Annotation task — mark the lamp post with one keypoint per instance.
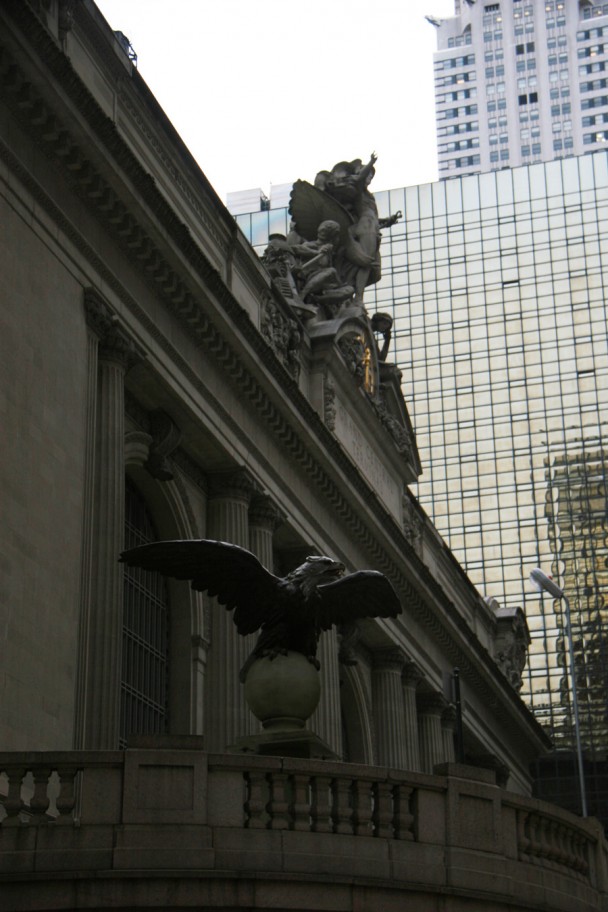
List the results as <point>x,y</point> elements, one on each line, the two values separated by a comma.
<point>542,582</point>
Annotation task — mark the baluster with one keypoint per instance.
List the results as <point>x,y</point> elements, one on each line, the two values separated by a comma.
<point>342,810</point>
<point>535,847</point>
<point>278,806</point>
<point>255,804</point>
<point>556,848</point>
<point>580,853</point>
<point>404,819</point>
<point>562,843</point>
<point>383,810</point>
<point>66,799</point>
<point>522,835</point>
<point>13,803</point>
<point>300,808</point>
<point>321,808</point>
<point>39,802</point>
<point>569,848</point>
<point>363,805</point>
<point>544,843</point>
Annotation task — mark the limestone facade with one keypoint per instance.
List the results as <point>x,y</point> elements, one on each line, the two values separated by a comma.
<point>145,350</point>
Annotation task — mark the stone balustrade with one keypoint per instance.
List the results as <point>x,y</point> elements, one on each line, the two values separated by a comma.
<point>331,831</point>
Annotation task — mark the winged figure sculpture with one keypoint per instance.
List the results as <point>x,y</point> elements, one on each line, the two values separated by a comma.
<point>290,612</point>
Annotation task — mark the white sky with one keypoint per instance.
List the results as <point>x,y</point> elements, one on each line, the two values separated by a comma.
<point>267,91</point>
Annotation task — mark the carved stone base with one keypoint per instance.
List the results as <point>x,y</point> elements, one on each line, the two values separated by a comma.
<point>285,744</point>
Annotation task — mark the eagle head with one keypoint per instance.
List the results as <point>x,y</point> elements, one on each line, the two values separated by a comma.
<point>315,571</point>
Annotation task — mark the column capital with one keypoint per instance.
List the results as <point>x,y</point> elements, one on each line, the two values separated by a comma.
<point>236,483</point>
<point>98,313</point>
<point>115,342</point>
<point>389,659</point>
<point>264,513</point>
<point>432,704</point>
<point>412,674</point>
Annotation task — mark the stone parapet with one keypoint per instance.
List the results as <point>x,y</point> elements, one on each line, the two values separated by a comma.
<point>124,829</point>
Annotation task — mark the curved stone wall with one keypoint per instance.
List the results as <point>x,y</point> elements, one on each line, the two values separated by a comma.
<point>176,827</point>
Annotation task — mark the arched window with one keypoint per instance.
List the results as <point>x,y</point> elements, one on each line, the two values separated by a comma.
<point>145,634</point>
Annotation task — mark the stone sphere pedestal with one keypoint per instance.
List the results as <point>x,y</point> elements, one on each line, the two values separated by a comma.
<point>283,693</point>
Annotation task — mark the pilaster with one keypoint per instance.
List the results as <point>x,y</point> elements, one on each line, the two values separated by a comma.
<point>430,708</point>
<point>111,353</point>
<point>389,708</point>
<point>410,678</point>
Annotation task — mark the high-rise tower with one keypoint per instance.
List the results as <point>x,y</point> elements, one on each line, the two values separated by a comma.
<point>520,81</point>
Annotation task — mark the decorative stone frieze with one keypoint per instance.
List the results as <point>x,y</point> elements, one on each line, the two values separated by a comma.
<point>402,438</point>
<point>282,333</point>
<point>353,351</point>
<point>413,524</point>
<point>329,404</point>
<point>511,642</point>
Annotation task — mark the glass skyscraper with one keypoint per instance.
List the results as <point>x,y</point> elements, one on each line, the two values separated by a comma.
<point>520,81</point>
<point>497,284</point>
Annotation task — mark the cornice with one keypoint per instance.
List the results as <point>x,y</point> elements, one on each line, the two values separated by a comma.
<point>55,138</point>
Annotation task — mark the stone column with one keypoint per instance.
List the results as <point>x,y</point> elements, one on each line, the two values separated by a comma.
<point>411,677</point>
<point>102,616</point>
<point>448,729</point>
<point>227,715</point>
<point>430,708</point>
<point>92,305</point>
<point>264,519</point>
<point>327,720</point>
<point>389,708</point>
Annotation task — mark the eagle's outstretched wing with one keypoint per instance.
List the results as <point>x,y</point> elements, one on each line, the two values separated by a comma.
<point>366,593</point>
<point>310,206</point>
<point>230,573</point>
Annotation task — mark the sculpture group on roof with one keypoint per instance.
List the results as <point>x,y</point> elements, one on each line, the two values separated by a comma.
<point>332,251</point>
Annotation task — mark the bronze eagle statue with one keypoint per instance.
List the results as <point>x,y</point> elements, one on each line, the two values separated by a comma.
<point>290,612</point>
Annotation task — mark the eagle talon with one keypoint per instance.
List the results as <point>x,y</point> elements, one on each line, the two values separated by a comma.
<point>271,654</point>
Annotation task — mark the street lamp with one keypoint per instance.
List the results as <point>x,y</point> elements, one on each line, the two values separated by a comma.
<point>542,582</point>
